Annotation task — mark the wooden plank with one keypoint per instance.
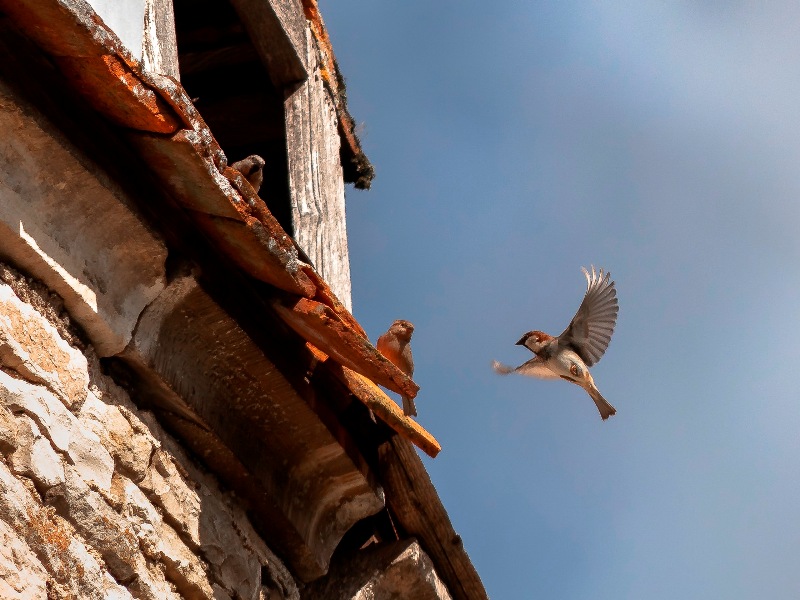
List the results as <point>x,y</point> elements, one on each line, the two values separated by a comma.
<point>389,412</point>
<point>277,29</point>
<point>379,403</point>
<point>159,44</point>
<point>417,507</point>
<point>316,180</point>
<point>326,296</point>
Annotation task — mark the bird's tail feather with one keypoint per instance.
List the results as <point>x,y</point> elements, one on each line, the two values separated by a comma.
<point>409,408</point>
<point>606,410</point>
<point>502,369</point>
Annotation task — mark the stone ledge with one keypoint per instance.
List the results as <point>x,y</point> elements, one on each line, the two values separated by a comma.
<point>382,572</point>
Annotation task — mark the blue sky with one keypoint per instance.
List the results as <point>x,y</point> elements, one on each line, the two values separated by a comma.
<point>515,142</point>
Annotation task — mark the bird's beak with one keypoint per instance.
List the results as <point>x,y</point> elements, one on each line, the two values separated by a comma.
<point>521,341</point>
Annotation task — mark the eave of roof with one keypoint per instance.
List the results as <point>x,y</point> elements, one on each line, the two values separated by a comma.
<point>172,138</point>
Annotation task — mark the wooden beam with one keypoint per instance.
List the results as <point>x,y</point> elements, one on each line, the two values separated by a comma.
<point>389,412</point>
<point>159,44</point>
<point>246,416</point>
<point>416,506</point>
<point>379,403</point>
<point>277,29</point>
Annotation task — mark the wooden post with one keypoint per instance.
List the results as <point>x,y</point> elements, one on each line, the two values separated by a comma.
<point>159,44</point>
<point>315,178</point>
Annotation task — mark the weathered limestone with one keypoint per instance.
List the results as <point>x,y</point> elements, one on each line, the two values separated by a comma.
<point>64,431</point>
<point>8,431</point>
<point>97,501</point>
<point>70,565</point>
<point>35,458</point>
<point>43,357</point>
<point>106,275</point>
<point>21,574</point>
<point>130,449</point>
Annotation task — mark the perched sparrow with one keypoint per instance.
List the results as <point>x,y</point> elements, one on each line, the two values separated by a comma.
<point>395,345</point>
<point>580,345</point>
<point>252,168</point>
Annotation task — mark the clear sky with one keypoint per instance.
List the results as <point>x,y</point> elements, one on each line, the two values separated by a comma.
<point>515,142</point>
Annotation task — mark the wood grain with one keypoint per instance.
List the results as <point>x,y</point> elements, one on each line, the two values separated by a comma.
<point>315,178</point>
<point>417,507</point>
<point>278,31</point>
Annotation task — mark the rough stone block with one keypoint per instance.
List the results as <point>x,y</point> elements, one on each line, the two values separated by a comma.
<point>61,427</point>
<point>167,489</point>
<point>381,572</point>
<point>183,568</point>
<point>21,574</point>
<point>159,543</point>
<point>98,524</point>
<point>37,402</point>
<point>194,504</point>
<point>35,457</point>
<point>33,348</point>
<point>8,431</point>
<point>131,454</point>
<point>236,567</point>
<point>131,450</point>
<point>110,534</point>
<point>74,571</point>
<point>91,460</point>
<point>142,516</point>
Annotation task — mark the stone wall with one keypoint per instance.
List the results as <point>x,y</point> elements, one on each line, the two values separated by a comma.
<point>96,500</point>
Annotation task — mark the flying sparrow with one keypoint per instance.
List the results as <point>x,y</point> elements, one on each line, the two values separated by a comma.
<point>581,345</point>
<point>252,168</point>
<point>395,345</point>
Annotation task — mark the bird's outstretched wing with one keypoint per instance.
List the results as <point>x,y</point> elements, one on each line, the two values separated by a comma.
<point>590,330</point>
<point>533,368</point>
